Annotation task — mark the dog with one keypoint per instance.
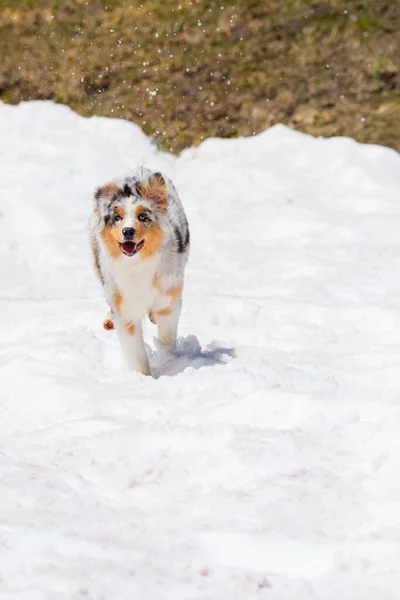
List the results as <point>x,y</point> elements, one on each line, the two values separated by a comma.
<point>140,241</point>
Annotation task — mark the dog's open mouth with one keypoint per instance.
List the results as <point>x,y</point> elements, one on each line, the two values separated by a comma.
<point>130,248</point>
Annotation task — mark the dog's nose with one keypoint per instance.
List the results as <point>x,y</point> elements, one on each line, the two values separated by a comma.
<point>128,232</point>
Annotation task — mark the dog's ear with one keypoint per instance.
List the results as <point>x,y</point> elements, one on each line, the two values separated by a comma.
<point>155,190</point>
<point>103,195</point>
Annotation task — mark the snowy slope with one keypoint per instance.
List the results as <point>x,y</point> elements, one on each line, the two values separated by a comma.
<point>264,462</point>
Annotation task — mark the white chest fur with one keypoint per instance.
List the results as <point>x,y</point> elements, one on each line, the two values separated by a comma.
<point>133,282</point>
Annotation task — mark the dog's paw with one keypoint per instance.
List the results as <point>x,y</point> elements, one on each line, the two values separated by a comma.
<point>108,323</point>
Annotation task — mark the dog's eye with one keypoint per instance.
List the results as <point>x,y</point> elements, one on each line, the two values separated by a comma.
<point>117,218</point>
<point>143,218</point>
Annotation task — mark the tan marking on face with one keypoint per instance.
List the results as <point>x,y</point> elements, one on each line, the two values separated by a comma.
<point>139,210</point>
<point>152,237</point>
<point>112,238</point>
<point>119,211</point>
<point>155,190</point>
<point>152,319</point>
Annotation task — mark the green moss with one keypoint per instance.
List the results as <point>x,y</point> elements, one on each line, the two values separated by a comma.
<point>367,21</point>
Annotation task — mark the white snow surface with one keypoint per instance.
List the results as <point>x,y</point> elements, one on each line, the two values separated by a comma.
<point>264,461</point>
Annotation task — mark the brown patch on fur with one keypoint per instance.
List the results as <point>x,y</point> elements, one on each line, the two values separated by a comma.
<point>164,312</point>
<point>119,211</point>
<point>155,189</point>
<point>117,299</point>
<point>174,292</point>
<point>156,282</point>
<point>109,189</point>
<point>108,323</point>
<point>130,327</point>
<point>112,237</point>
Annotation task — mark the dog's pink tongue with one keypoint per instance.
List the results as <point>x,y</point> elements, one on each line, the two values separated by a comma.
<point>128,247</point>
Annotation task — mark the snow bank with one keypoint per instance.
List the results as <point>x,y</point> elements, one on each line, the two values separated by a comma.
<point>264,461</point>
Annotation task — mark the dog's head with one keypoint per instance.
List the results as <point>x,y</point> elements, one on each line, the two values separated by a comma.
<point>131,215</point>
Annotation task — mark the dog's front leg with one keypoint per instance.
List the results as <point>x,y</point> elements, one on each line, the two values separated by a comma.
<point>131,339</point>
<point>167,321</point>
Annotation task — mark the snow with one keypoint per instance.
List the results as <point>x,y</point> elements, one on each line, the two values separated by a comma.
<point>264,460</point>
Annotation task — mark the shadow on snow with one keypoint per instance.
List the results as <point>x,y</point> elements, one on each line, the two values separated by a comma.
<point>188,353</point>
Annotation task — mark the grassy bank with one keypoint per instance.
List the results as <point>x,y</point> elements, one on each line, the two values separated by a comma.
<point>188,70</point>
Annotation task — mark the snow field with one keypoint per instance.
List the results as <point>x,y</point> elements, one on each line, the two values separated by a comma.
<point>263,462</point>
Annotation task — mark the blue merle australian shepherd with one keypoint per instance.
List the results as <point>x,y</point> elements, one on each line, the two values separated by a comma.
<point>140,241</point>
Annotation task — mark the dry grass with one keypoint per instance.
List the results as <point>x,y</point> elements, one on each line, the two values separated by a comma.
<point>185,70</point>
